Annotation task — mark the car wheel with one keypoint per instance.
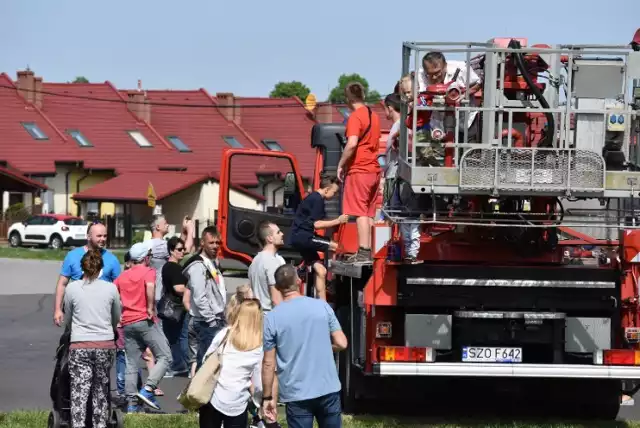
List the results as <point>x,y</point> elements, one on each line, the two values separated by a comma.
<point>56,242</point>
<point>14,239</point>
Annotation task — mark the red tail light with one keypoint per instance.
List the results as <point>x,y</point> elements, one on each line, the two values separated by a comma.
<point>405,354</point>
<point>617,357</point>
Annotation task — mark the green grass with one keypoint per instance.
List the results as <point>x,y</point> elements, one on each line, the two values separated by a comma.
<point>38,419</point>
<point>44,254</point>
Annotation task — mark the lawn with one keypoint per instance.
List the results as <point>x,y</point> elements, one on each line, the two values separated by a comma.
<point>38,419</point>
<point>44,254</point>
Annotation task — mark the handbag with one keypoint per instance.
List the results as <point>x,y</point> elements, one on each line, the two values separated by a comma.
<point>169,309</point>
<point>199,390</point>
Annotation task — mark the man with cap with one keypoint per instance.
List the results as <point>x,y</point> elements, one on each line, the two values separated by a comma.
<point>140,325</point>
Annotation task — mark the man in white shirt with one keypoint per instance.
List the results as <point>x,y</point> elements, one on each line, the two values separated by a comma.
<point>437,70</point>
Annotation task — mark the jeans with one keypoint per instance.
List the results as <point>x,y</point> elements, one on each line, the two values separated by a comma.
<point>205,335</point>
<point>326,409</point>
<point>212,418</point>
<point>138,337</point>
<point>121,369</point>
<point>173,331</point>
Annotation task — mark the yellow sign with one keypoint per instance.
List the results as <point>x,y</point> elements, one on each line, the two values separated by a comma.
<point>151,196</point>
<point>310,102</point>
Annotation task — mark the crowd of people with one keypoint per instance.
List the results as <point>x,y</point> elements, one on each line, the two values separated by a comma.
<point>121,316</point>
<point>173,313</point>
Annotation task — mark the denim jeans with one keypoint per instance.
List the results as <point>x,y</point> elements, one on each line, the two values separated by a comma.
<point>121,369</point>
<point>138,337</point>
<point>326,410</point>
<point>173,331</point>
<point>205,335</point>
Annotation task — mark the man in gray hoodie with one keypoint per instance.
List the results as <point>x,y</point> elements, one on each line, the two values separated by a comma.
<point>208,292</point>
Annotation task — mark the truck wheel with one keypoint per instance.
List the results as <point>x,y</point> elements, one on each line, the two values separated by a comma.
<point>603,400</point>
<point>345,369</point>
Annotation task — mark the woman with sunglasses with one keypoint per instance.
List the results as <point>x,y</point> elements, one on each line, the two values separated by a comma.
<point>173,306</point>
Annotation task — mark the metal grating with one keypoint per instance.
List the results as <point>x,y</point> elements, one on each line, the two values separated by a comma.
<point>532,169</point>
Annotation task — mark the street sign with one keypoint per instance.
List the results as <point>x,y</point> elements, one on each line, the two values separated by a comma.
<point>151,196</point>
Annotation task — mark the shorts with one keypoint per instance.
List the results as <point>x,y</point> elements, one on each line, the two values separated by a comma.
<point>360,194</point>
<point>309,246</point>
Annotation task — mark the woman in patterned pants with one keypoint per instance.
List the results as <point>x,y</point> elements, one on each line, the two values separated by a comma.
<point>92,308</point>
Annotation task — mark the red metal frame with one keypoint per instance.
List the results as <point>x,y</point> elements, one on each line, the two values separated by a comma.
<point>225,184</point>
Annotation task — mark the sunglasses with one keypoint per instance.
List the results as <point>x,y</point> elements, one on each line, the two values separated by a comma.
<point>181,249</point>
<point>253,299</point>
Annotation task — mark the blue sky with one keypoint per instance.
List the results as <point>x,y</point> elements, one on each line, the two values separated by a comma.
<point>247,46</point>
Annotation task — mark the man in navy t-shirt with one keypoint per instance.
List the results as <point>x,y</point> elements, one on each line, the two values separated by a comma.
<point>309,217</point>
<point>72,268</point>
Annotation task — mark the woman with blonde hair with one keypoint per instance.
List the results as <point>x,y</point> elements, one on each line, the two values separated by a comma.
<point>242,293</point>
<point>241,351</point>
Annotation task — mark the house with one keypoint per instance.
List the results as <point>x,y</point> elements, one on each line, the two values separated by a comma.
<point>31,144</point>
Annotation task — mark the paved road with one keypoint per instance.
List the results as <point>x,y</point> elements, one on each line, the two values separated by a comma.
<point>28,340</point>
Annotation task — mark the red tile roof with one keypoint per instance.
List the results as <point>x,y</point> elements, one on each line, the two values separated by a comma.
<point>105,125</point>
<point>132,186</point>
<point>289,125</point>
<point>15,181</point>
<point>202,130</point>
<point>17,147</point>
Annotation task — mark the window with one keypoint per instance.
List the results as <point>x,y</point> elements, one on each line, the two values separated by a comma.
<point>382,160</point>
<point>34,131</point>
<point>272,145</point>
<point>178,144</point>
<point>232,141</point>
<point>80,139</point>
<point>140,139</point>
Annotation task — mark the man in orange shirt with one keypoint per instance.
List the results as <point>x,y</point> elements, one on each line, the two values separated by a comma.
<point>359,169</point>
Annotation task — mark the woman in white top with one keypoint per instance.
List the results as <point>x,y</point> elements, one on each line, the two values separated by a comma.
<point>241,363</point>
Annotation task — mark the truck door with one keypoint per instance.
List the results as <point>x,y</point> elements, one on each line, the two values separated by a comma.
<point>256,186</point>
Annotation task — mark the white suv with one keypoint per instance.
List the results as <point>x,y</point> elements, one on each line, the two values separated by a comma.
<point>53,230</point>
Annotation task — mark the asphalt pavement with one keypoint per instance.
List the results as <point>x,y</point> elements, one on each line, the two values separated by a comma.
<point>28,340</point>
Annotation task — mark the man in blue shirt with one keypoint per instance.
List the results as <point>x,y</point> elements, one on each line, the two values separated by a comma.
<point>310,216</point>
<point>300,336</point>
<point>72,269</point>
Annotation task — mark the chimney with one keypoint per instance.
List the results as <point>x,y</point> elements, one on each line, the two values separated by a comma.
<point>38,96</point>
<point>138,105</point>
<point>225,102</point>
<point>26,84</point>
<point>324,113</point>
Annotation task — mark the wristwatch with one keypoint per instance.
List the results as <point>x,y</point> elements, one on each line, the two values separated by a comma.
<point>268,398</point>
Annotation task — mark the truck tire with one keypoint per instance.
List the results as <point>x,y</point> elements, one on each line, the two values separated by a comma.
<point>346,372</point>
<point>602,399</point>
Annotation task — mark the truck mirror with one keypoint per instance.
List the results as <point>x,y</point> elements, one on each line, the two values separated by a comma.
<point>291,194</point>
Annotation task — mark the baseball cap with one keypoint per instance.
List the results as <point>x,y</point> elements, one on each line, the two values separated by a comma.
<point>139,251</point>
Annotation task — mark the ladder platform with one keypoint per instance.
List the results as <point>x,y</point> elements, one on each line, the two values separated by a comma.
<point>353,270</point>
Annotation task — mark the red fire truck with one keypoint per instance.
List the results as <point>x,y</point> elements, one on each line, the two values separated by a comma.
<point>508,289</point>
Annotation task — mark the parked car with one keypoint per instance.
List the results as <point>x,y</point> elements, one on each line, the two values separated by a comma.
<point>54,230</point>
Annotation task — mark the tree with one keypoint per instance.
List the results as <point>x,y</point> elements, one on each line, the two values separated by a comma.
<point>337,94</point>
<point>290,89</point>
<point>81,79</point>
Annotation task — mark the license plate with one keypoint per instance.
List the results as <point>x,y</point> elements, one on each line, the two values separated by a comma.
<point>483,354</point>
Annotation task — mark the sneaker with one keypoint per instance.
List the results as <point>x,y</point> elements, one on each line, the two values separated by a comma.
<point>361,257</point>
<point>412,261</point>
<point>149,398</point>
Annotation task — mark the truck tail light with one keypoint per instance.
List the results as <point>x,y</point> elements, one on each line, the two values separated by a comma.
<point>383,330</point>
<point>617,357</point>
<point>405,354</point>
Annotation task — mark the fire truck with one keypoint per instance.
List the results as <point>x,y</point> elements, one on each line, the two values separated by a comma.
<point>530,248</point>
